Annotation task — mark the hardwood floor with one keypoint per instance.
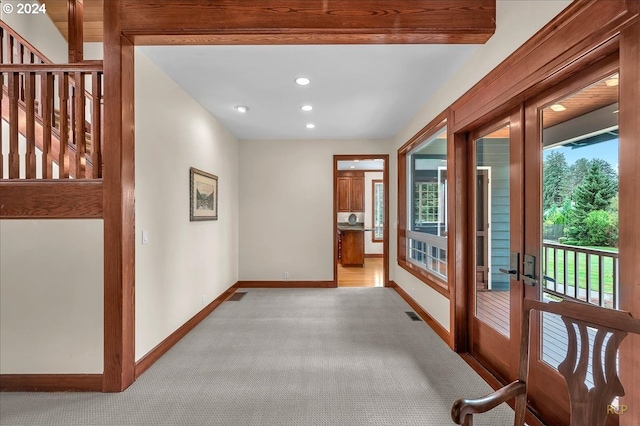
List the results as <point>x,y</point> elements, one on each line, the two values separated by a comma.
<point>371,275</point>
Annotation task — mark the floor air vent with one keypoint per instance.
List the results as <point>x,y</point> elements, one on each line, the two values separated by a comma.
<point>413,316</point>
<point>237,296</point>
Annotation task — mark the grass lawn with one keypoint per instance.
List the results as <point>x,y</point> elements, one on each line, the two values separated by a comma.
<point>608,264</point>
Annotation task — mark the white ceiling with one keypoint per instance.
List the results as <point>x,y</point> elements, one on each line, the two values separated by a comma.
<point>357,92</point>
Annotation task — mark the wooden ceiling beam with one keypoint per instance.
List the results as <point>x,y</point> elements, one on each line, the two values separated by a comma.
<point>308,21</point>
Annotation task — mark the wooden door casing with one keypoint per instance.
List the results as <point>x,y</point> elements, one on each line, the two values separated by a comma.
<point>495,351</point>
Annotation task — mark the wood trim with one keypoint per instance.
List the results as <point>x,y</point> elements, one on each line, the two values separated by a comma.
<point>374,255</point>
<point>425,277</point>
<point>385,180</point>
<point>530,418</point>
<point>435,325</point>
<point>154,354</point>
<point>51,199</point>
<point>308,22</point>
<point>629,169</point>
<point>459,223</point>
<point>50,382</point>
<point>285,284</point>
<point>119,204</point>
<point>85,67</point>
<point>75,20</point>
<point>425,133</point>
<point>543,60</point>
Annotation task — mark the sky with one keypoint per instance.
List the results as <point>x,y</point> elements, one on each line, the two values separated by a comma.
<point>608,151</point>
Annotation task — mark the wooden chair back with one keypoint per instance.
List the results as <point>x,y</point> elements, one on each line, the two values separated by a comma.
<point>587,406</point>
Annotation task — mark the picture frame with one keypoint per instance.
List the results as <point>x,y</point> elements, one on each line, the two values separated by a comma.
<point>203,189</point>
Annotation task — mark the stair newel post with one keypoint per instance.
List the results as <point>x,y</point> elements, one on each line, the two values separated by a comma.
<point>14,156</point>
<point>79,102</point>
<point>30,97</point>
<point>75,20</point>
<point>63,93</point>
<point>46,109</point>
<point>96,125</point>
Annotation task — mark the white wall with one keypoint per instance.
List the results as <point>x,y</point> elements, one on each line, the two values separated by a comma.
<point>286,206</point>
<point>40,31</point>
<point>369,246</point>
<point>184,261</point>
<point>51,271</point>
<point>51,300</point>
<point>517,21</point>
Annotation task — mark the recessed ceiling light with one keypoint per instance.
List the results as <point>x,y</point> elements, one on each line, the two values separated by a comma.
<point>557,107</point>
<point>356,161</point>
<point>306,108</point>
<point>352,167</point>
<point>241,108</point>
<point>302,81</point>
<point>310,126</point>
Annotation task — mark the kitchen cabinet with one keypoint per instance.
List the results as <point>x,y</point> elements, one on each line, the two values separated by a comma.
<point>350,191</point>
<point>352,248</point>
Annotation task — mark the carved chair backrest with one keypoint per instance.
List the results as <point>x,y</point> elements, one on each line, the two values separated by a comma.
<point>588,406</point>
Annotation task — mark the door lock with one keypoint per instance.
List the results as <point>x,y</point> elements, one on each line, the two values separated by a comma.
<point>529,270</point>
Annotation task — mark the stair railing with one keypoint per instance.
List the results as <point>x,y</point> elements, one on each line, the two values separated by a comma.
<point>41,101</point>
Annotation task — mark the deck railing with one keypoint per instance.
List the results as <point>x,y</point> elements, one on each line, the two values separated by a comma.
<point>57,108</point>
<point>579,273</point>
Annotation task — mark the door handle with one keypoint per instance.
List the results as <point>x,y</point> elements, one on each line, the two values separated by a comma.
<point>514,260</point>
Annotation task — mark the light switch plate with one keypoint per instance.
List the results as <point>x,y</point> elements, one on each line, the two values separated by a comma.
<point>145,237</point>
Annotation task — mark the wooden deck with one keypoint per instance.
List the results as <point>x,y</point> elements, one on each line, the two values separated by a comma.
<point>493,309</point>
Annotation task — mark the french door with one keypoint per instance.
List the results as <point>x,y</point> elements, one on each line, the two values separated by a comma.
<point>572,180</point>
<point>495,296</point>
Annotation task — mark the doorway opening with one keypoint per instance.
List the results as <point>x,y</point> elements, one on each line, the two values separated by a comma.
<point>360,212</point>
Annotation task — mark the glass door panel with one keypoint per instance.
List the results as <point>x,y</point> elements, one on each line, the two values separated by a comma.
<point>495,289</point>
<point>492,230</point>
<point>579,206</point>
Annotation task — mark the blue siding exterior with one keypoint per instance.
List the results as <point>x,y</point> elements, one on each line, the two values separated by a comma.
<point>495,153</point>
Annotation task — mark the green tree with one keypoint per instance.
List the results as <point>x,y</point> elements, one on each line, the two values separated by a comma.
<point>601,229</point>
<point>577,172</point>
<point>554,180</point>
<point>594,193</point>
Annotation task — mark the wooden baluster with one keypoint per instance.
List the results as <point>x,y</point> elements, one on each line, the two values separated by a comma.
<point>14,156</point>
<point>96,125</point>
<point>81,148</point>
<point>9,49</point>
<point>72,113</point>
<point>46,105</point>
<point>21,61</point>
<point>30,97</point>
<point>2,58</point>
<point>63,93</point>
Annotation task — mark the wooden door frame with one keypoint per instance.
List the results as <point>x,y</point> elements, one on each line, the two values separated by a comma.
<point>508,371</point>
<point>547,384</point>
<point>385,182</point>
<point>566,44</point>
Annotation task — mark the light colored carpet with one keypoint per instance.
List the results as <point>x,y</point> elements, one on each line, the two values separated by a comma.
<point>346,356</point>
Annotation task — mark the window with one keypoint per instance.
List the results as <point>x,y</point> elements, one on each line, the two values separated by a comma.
<point>426,205</point>
<point>422,242</point>
<point>378,211</point>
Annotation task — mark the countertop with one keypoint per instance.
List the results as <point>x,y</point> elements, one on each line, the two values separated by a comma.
<point>345,226</point>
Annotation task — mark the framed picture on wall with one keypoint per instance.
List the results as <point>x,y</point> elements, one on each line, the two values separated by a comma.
<point>203,188</point>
